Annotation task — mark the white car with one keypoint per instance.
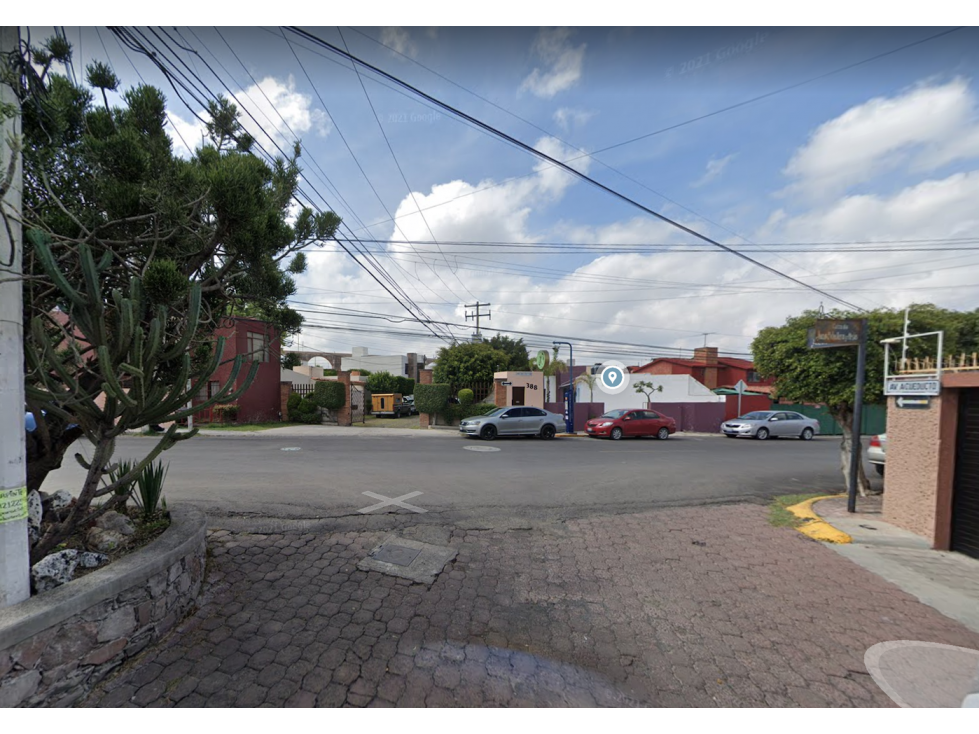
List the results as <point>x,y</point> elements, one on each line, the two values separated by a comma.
<point>765,424</point>
<point>875,452</point>
<point>513,421</point>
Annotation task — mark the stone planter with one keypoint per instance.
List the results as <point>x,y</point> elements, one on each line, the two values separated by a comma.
<point>56,646</point>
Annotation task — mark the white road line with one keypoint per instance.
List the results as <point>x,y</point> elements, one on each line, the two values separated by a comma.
<point>386,501</point>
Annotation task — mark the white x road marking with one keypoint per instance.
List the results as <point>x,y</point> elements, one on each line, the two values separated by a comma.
<point>385,501</point>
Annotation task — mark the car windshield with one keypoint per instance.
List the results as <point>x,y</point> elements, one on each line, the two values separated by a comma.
<point>614,414</point>
<point>758,415</point>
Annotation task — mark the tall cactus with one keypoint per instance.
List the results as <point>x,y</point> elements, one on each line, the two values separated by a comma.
<point>103,344</point>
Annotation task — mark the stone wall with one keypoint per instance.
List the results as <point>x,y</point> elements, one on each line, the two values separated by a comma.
<point>56,646</point>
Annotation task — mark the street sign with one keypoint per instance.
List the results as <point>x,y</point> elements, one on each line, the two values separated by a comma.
<point>912,386</point>
<point>830,333</point>
<point>740,388</point>
<point>542,359</point>
<point>506,383</point>
<point>918,403</point>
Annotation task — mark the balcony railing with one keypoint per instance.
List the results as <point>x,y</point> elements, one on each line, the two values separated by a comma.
<point>929,365</point>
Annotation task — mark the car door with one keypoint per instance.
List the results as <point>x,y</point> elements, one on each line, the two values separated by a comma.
<point>632,423</point>
<point>780,425</point>
<point>654,421</point>
<point>533,420</point>
<point>509,423</point>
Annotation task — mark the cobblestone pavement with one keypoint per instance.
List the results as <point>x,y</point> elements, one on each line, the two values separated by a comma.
<point>705,606</point>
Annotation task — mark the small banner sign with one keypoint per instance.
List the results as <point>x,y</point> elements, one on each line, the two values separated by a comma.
<point>835,333</point>
<point>13,504</point>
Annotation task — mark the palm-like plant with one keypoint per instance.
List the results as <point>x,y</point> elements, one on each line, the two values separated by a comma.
<point>589,380</point>
<point>554,367</point>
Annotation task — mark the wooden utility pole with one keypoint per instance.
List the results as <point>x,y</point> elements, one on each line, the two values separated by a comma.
<point>15,580</point>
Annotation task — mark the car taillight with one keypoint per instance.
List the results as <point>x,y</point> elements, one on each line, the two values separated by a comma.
<point>875,441</point>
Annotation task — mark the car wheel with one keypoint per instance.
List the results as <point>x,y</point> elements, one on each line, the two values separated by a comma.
<point>548,432</point>
<point>663,433</point>
<point>615,434</point>
<point>807,434</point>
<point>488,433</point>
<point>762,434</point>
<point>879,468</point>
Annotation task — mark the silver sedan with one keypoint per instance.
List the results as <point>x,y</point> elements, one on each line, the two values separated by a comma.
<point>764,424</point>
<point>513,421</point>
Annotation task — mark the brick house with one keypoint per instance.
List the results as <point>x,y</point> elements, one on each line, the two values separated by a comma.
<point>709,369</point>
<point>255,340</point>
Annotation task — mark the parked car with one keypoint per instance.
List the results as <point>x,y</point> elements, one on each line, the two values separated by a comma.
<point>512,421</point>
<point>764,424</point>
<point>409,402</point>
<point>876,450</point>
<point>617,424</point>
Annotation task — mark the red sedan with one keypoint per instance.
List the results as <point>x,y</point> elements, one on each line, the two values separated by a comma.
<point>618,423</point>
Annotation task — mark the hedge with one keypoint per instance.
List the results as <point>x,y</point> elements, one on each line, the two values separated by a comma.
<point>466,396</point>
<point>330,395</point>
<point>432,399</point>
<point>309,412</point>
<point>454,413</point>
<point>292,406</point>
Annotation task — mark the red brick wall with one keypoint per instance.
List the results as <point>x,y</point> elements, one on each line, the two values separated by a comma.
<point>285,390</point>
<point>424,378</point>
<point>262,400</point>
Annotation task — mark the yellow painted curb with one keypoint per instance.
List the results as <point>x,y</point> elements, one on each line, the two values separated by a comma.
<point>814,526</point>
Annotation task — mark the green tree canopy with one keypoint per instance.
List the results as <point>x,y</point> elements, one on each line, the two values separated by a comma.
<point>382,382</point>
<point>515,349</point>
<point>828,376</point>
<point>468,362</point>
<point>133,256</point>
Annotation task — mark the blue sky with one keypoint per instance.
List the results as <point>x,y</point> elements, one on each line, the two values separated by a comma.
<point>882,152</point>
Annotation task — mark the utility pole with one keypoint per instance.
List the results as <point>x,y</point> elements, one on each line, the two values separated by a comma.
<point>15,579</point>
<point>477,337</point>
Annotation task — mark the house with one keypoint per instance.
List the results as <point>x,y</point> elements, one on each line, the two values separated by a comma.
<point>360,359</point>
<point>710,370</point>
<point>256,341</point>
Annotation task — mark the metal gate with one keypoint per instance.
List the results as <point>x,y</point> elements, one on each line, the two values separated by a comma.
<point>357,401</point>
<point>965,501</point>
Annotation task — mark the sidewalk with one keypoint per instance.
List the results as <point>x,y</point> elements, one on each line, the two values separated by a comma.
<point>947,581</point>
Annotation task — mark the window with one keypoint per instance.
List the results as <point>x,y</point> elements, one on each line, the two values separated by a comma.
<point>752,376</point>
<point>651,415</point>
<point>258,347</point>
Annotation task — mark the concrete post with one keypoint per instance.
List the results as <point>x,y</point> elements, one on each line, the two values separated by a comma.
<point>15,580</point>
<point>344,415</point>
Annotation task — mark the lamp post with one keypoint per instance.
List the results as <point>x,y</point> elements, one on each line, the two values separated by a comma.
<point>569,419</point>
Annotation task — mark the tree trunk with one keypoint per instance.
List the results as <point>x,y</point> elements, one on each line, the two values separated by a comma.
<point>845,419</point>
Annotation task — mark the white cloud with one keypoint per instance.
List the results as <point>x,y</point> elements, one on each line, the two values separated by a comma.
<point>715,167</point>
<point>275,104</point>
<point>400,40</point>
<point>562,63</point>
<point>567,117</point>
<point>923,128</point>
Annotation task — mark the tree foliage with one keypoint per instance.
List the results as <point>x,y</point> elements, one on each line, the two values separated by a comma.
<point>380,383</point>
<point>515,349</point>
<point>644,387</point>
<point>828,376</point>
<point>465,363</point>
<point>132,257</point>
<point>330,394</point>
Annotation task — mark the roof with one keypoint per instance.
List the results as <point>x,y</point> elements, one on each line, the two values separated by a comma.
<point>744,364</point>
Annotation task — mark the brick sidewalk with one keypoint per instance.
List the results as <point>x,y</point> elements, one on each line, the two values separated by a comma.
<point>705,606</point>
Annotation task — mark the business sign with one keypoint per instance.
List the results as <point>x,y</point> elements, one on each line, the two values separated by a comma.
<point>919,403</point>
<point>835,333</point>
<point>542,359</point>
<point>912,386</point>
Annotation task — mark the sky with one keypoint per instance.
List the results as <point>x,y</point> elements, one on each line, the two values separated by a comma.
<point>778,143</point>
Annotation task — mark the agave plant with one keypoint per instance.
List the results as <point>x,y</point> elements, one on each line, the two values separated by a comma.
<point>150,486</point>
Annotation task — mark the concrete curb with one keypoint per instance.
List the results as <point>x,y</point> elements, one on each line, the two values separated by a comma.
<point>816,527</point>
<point>188,529</point>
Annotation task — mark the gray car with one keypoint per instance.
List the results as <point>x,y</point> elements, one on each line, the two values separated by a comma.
<point>513,421</point>
<point>764,424</point>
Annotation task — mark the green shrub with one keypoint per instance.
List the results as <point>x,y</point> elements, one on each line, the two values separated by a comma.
<point>432,399</point>
<point>381,383</point>
<point>292,406</point>
<point>454,413</point>
<point>466,396</point>
<point>309,412</point>
<point>405,386</point>
<point>330,395</point>
<point>150,486</point>
<point>227,413</point>
<point>329,373</point>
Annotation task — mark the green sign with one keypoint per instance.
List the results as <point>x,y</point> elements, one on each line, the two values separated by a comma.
<point>542,359</point>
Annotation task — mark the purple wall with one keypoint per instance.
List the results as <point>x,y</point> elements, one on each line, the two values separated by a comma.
<point>582,412</point>
<point>697,417</point>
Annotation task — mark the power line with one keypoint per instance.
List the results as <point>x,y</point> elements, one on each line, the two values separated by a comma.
<point>568,169</point>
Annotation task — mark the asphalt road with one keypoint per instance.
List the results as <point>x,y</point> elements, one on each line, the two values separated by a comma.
<point>326,475</point>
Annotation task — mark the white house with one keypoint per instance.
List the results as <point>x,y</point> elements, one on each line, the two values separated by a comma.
<point>676,389</point>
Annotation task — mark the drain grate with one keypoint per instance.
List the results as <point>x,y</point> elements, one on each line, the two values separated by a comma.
<point>399,555</point>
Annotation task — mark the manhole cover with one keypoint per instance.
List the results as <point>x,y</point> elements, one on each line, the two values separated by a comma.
<point>480,448</point>
<point>399,555</point>
<point>292,448</point>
